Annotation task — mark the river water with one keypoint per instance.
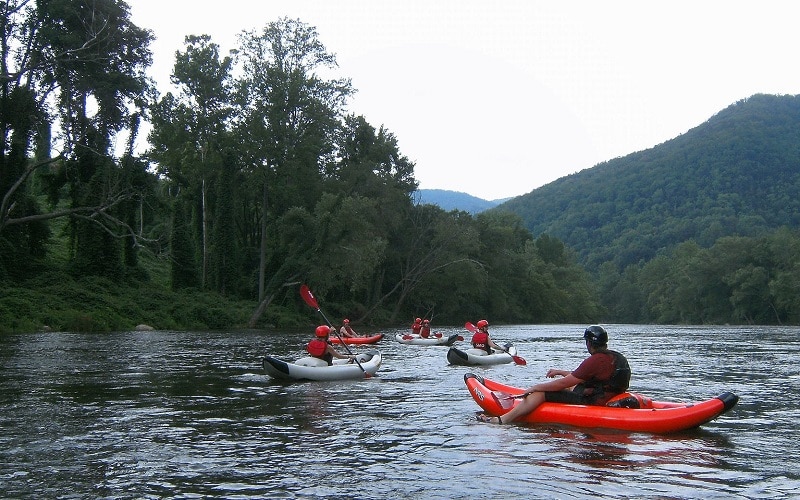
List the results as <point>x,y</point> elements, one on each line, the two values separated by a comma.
<point>191,415</point>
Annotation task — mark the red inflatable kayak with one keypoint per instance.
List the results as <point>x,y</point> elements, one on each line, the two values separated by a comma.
<point>629,411</point>
<point>357,340</point>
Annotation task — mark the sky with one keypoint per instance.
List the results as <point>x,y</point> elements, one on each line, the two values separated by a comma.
<point>497,98</point>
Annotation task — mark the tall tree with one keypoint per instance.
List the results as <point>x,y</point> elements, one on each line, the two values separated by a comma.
<point>370,162</point>
<point>288,118</point>
<point>189,131</point>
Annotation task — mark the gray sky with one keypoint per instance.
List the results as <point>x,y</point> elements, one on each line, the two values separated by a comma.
<point>497,98</point>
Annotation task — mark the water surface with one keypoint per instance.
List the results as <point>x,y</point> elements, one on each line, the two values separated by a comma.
<point>190,414</point>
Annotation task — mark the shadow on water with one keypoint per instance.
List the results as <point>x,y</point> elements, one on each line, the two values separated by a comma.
<point>191,414</point>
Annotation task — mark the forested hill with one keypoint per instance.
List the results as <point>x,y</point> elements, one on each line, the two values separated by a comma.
<point>736,174</point>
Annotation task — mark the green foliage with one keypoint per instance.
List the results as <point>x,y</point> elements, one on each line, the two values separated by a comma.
<point>738,174</point>
<point>738,280</point>
<point>260,182</point>
<point>58,301</point>
<point>183,270</point>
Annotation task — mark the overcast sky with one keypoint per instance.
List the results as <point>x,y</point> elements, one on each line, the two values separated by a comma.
<point>497,98</point>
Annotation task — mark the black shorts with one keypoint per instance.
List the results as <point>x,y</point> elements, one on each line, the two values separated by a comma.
<point>573,397</point>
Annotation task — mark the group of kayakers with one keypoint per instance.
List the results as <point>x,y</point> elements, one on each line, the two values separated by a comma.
<point>421,327</point>
<point>601,376</point>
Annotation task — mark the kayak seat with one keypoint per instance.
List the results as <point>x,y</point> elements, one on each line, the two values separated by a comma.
<point>476,352</point>
<point>630,400</point>
<point>311,361</point>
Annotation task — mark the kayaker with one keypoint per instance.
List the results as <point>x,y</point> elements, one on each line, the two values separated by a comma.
<point>416,328</point>
<point>346,331</point>
<point>320,348</point>
<point>425,331</point>
<point>597,379</point>
<point>481,339</point>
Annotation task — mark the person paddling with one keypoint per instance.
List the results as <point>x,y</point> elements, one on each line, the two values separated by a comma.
<point>416,328</point>
<point>321,348</point>
<point>601,376</point>
<point>346,331</point>
<point>425,331</point>
<point>481,339</point>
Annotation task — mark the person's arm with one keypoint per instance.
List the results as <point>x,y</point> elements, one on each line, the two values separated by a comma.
<point>337,354</point>
<point>564,382</point>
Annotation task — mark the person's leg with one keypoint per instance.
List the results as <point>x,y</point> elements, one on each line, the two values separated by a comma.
<point>527,405</point>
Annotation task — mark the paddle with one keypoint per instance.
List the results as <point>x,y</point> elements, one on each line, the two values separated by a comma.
<point>517,359</point>
<point>504,399</point>
<point>309,298</point>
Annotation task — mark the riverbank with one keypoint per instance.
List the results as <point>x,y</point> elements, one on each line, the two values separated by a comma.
<point>60,302</point>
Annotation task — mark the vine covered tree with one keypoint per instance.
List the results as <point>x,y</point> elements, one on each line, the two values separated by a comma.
<point>73,78</point>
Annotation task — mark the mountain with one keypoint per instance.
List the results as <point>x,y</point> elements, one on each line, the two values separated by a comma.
<point>454,200</point>
<point>736,174</point>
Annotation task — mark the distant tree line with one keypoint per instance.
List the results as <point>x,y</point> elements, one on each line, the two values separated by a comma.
<point>737,280</point>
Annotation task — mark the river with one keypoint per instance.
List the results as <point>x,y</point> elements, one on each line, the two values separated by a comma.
<point>165,414</point>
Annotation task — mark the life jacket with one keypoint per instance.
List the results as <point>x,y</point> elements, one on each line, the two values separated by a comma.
<point>415,328</point>
<point>317,348</point>
<point>425,332</point>
<point>621,377</point>
<point>480,340</point>
<point>602,390</point>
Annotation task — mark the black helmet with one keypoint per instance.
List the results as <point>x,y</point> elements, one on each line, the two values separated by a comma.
<point>596,335</point>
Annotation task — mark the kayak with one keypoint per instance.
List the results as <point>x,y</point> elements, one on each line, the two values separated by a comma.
<point>434,339</point>
<point>357,340</point>
<point>310,368</point>
<point>627,412</point>
<point>476,357</point>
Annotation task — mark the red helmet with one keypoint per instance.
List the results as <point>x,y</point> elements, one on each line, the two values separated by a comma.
<point>323,331</point>
<point>483,323</point>
<point>417,320</point>
<point>346,321</point>
<point>425,322</point>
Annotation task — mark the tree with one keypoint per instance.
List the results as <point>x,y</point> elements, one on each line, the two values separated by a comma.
<point>288,115</point>
<point>370,163</point>
<point>77,66</point>
<point>188,136</point>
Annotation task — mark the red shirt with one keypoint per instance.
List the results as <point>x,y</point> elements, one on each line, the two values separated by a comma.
<point>596,368</point>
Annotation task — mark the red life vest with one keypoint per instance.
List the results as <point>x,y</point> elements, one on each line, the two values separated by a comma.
<point>317,348</point>
<point>480,340</point>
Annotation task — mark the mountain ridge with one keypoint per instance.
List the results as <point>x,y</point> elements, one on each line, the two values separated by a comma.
<point>738,173</point>
<point>456,200</point>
